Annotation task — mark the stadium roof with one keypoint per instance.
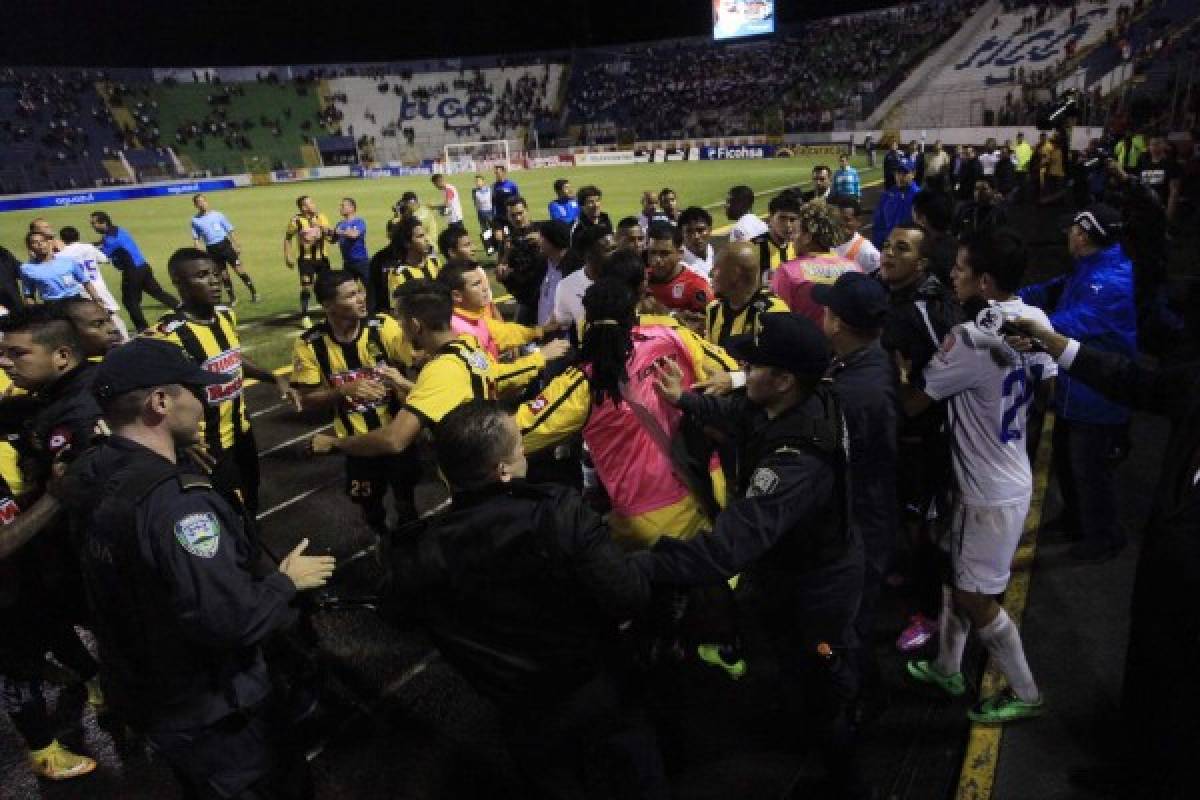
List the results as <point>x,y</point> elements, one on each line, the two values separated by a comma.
<point>137,33</point>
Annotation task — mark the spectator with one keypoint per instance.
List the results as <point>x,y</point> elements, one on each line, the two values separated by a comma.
<point>1095,305</point>
<point>895,205</point>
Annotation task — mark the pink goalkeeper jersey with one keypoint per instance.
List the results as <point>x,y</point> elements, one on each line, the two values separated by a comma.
<point>794,280</point>
<point>632,465</point>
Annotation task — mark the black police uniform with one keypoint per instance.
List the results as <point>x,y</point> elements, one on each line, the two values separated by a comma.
<point>180,619</point>
<point>522,589</point>
<point>787,533</point>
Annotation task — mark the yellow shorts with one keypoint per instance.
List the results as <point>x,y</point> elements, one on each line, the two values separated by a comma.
<point>682,520</point>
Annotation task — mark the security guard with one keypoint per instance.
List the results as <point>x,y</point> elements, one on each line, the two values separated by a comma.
<point>351,363</point>
<point>458,370</point>
<point>523,590</point>
<point>180,615</point>
<point>207,332</point>
<point>787,533</point>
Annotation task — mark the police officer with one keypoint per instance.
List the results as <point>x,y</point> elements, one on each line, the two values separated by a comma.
<point>786,529</point>
<point>523,590</point>
<point>180,615</point>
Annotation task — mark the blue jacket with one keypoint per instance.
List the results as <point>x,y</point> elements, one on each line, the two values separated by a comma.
<point>122,250</point>
<point>1095,307</point>
<point>895,207</point>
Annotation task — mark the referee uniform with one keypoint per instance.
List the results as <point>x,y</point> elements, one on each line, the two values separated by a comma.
<point>319,359</point>
<point>213,229</point>
<point>214,345</point>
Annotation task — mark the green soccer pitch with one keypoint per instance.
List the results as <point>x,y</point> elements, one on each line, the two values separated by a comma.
<point>260,214</point>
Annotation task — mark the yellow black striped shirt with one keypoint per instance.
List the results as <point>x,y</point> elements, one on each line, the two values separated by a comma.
<point>215,346</point>
<point>318,359</point>
<point>314,248</point>
<point>721,320</point>
<point>771,255</point>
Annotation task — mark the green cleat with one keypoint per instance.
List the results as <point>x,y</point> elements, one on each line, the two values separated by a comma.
<point>711,654</point>
<point>926,672</point>
<point>1005,707</point>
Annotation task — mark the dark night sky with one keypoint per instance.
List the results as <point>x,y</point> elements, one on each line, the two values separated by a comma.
<point>219,32</point>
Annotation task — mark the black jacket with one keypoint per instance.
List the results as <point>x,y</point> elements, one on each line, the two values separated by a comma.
<point>67,422</point>
<point>974,218</point>
<point>178,613</point>
<point>865,383</point>
<point>521,587</point>
<point>10,290</point>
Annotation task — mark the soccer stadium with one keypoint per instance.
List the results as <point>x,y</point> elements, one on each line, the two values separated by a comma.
<point>775,401</point>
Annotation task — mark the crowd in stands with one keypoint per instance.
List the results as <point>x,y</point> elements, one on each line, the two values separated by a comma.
<point>810,74</point>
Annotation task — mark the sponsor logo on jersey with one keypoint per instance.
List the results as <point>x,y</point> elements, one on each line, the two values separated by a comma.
<point>226,363</point>
<point>8,510</point>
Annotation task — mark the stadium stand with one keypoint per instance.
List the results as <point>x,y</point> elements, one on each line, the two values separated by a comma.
<point>433,108</point>
<point>1003,64</point>
<point>820,71</point>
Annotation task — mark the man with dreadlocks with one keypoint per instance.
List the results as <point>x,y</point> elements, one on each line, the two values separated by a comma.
<point>819,231</point>
<point>627,427</point>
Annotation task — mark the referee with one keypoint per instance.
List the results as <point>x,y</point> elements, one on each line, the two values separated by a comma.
<point>214,230</point>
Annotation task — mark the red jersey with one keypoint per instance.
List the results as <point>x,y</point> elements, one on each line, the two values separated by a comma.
<point>687,291</point>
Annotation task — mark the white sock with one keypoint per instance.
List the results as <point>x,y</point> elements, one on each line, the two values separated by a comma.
<point>1003,642</point>
<point>953,627</point>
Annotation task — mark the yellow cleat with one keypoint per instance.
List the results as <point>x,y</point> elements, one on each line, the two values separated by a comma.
<point>56,763</point>
<point>711,654</point>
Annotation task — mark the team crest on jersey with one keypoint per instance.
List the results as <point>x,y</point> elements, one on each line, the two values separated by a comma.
<point>8,510</point>
<point>677,291</point>
<point>478,361</point>
<point>538,403</point>
<point>199,534</point>
<point>59,440</point>
<point>763,481</point>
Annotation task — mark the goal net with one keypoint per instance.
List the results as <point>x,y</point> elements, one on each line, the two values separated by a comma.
<point>476,156</point>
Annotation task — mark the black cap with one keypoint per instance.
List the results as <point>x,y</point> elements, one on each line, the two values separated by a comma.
<point>785,340</point>
<point>557,233</point>
<point>143,363</point>
<point>1101,223</point>
<point>858,299</point>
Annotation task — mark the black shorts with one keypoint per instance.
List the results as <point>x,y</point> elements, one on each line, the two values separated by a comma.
<point>368,479</point>
<point>311,267</point>
<point>223,253</point>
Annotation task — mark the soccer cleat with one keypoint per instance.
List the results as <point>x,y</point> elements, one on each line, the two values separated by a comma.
<point>305,322</point>
<point>919,632</point>
<point>254,297</point>
<point>925,672</point>
<point>95,696</point>
<point>57,763</point>
<point>1005,707</point>
<point>712,655</point>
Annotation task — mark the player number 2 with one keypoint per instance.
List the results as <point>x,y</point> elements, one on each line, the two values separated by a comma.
<point>1016,386</point>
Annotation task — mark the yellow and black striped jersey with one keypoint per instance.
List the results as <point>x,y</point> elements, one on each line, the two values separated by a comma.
<point>771,255</point>
<point>460,371</point>
<point>401,274</point>
<point>722,320</point>
<point>319,359</point>
<point>308,234</point>
<point>215,346</point>
<point>709,358</point>
<point>10,466</point>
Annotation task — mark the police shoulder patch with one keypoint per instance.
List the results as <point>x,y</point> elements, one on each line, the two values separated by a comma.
<point>764,481</point>
<point>199,534</point>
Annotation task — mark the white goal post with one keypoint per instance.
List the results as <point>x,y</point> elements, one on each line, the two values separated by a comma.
<point>476,156</point>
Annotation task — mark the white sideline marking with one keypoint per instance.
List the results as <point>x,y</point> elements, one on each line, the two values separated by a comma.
<point>410,673</point>
<point>293,441</point>
<point>291,501</point>
<point>266,410</point>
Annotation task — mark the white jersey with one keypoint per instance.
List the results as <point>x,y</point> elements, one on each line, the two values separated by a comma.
<point>988,387</point>
<point>453,204</point>
<point>89,259</point>
<point>698,265</point>
<point>568,298</point>
<point>747,228</point>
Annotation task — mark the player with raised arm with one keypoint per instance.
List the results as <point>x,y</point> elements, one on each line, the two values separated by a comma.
<point>987,387</point>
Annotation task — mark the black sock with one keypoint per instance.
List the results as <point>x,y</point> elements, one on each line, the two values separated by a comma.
<point>246,279</point>
<point>305,294</point>
<point>225,279</point>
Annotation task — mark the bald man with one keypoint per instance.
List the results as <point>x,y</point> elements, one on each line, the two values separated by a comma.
<point>741,297</point>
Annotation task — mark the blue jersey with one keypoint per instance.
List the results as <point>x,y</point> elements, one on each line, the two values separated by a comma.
<point>55,279</point>
<point>353,249</point>
<point>211,227</point>
<point>122,250</point>
<point>564,210</point>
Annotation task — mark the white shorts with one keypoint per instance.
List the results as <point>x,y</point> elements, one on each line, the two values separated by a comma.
<point>983,540</point>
